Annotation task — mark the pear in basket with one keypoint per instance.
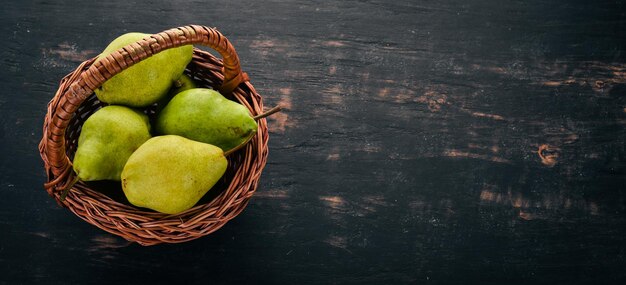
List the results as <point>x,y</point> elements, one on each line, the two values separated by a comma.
<point>181,84</point>
<point>206,116</point>
<point>146,82</point>
<point>170,174</point>
<point>107,139</point>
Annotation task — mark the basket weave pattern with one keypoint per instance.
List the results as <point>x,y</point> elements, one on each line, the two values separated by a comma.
<point>74,102</point>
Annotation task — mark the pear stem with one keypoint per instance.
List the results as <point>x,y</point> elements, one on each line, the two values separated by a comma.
<point>269,112</point>
<point>66,190</point>
<point>241,145</point>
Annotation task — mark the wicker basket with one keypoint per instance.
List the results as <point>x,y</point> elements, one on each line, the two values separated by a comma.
<point>74,102</point>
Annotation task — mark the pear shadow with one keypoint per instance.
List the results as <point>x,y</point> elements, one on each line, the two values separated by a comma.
<point>110,188</point>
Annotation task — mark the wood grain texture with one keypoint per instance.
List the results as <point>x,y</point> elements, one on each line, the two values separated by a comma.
<point>435,142</point>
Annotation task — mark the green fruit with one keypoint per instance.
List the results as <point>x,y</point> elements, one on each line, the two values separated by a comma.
<point>170,174</point>
<point>204,115</point>
<point>183,83</point>
<point>146,82</point>
<point>107,139</point>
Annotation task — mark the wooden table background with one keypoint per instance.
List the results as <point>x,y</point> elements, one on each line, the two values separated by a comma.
<point>425,142</point>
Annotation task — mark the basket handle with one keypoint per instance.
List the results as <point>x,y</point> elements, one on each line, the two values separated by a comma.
<point>119,60</point>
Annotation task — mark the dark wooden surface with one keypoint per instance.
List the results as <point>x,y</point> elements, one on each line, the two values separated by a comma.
<point>424,142</point>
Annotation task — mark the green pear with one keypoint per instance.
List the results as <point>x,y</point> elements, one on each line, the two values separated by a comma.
<point>206,116</point>
<point>144,83</point>
<point>169,174</point>
<point>184,82</point>
<point>107,139</point>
